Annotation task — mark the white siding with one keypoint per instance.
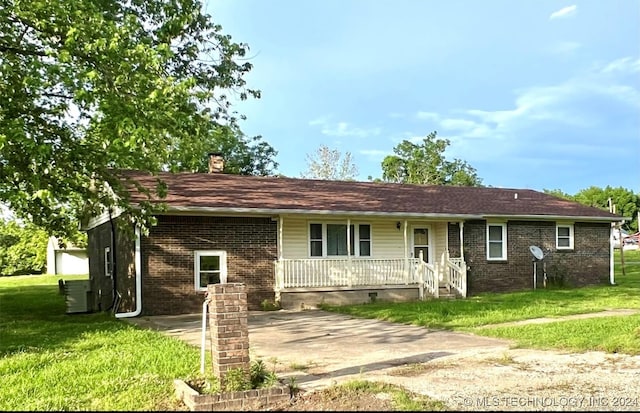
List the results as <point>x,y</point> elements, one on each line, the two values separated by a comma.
<point>387,241</point>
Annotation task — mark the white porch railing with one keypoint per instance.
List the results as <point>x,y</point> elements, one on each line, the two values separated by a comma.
<point>455,273</point>
<point>429,276</point>
<point>336,272</point>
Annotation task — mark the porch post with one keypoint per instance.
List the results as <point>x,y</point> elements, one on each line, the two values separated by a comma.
<point>279,263</point>
<point>406,252</point>
<point>280,238</point>
<point>349,262</point>
<point>461,225</point>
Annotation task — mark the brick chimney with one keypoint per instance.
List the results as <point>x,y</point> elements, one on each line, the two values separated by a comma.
<point>216,163</point>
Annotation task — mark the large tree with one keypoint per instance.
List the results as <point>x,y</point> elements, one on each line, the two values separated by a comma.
<point>23,248</point>
<point>92,86</point>
<point>330,164</point>
<point>625,201</point>
<point>425,163</point>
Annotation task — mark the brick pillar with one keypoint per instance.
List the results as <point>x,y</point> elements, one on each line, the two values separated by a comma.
<point>228,328</point>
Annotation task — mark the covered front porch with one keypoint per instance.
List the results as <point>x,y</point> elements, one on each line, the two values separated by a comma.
<point>380,258</point>
<point>322,274</point>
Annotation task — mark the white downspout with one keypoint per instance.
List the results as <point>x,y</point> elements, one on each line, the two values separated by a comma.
<point>204,335</point>
<point>612,280</point>
<point>461,226</point>
<point>138,265</point>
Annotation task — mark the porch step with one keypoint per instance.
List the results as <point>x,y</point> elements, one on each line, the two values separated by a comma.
<point>445,294</point>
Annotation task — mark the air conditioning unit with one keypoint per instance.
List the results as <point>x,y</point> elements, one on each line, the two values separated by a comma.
<point>76,295</point>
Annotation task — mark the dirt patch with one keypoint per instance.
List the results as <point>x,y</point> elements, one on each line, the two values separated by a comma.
<point>330,400</point>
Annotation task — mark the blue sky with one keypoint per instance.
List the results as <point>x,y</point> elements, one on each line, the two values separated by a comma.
<point>533,94</point>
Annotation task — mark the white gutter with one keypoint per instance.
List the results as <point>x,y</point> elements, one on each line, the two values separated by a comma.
<point>137,262</point>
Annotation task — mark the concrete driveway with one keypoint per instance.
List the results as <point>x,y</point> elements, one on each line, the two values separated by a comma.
<point>320,348</point>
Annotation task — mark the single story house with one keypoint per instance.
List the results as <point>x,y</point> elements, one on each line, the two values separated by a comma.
<point>304,242</point>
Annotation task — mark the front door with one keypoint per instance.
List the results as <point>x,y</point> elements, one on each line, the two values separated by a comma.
<point>422,243</point>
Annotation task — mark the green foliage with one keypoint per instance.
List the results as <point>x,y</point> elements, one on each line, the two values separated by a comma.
<point>329,164</point>
<point>261,377</point>
<point>23,248</point>
<point>425,163</point>
<point>626,202</point>
<point>236,380</point>
<point>270,305</point>
<point>89,87</point>
<point>243,155</point>
<point>559,193</point>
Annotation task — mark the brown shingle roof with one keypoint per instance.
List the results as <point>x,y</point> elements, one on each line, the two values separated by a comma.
<point>237,192</point>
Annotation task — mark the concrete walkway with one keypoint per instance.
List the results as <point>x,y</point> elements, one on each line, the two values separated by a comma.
<point>320,348</point>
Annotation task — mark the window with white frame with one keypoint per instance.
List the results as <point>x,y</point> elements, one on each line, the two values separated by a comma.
<point>330,240</point>
<point>564,236</point>
<point>108,263</point>
<point>210,268</point>
<point>496,241</point>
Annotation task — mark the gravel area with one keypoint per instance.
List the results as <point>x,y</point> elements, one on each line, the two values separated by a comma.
<point>524,379</point>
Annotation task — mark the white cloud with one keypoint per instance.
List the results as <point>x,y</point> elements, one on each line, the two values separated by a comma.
<point>563,118</point>
<point>564,12</point>
<point>340,129</point>
<point>625,64</point>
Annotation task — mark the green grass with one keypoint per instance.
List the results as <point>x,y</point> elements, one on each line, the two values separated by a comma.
<point>51,360</point>
<point>485,309</point>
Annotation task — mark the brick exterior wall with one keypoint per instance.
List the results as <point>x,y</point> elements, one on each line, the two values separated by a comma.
<point>586,264</point>
<point>453,237</point>
<point>168,260</point>
<point>98,239</point>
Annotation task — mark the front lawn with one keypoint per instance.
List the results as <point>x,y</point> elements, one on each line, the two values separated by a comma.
<point>51,360</point>
<point>614,334</point>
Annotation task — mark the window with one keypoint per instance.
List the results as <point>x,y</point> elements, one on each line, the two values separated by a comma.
<point>108,266</point>
<point>364,240</point>
<point>330,240</point>
<point>210,268</point>
<point>315,239</point>
<point>496,241</point>
<point>564,236</point>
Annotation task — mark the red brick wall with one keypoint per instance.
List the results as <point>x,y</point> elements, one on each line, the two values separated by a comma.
<point>168,260</point>
<point>586,264</point>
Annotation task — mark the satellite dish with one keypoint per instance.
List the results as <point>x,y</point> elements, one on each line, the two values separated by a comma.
<point>537,252</point>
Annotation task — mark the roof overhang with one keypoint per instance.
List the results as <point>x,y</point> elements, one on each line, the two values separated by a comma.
<point>192,210</point>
